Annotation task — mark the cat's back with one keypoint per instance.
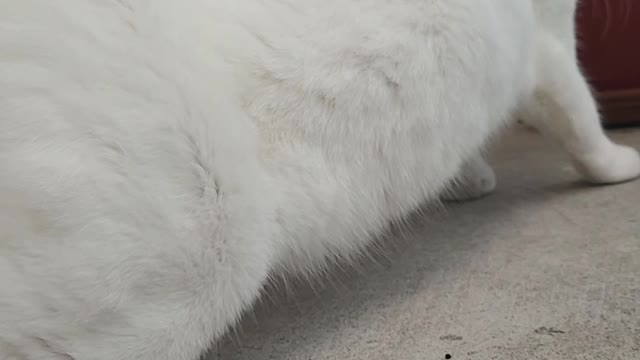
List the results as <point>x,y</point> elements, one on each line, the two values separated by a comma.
<point>127,65</point>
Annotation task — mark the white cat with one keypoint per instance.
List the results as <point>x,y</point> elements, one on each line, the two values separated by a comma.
<point>161,159</point>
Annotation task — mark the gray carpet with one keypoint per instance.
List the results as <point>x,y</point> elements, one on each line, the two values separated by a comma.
<point>545,268</point>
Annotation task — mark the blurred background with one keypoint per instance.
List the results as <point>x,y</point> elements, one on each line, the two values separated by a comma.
<point>610,52</point>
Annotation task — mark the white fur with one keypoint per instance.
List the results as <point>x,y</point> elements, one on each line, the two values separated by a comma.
<point>161,159</point>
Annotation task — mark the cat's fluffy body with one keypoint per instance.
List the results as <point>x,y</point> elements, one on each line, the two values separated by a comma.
<point>160,159</point>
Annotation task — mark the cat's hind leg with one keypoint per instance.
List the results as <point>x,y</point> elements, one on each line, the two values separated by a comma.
<point>563,107</point>
<point>475,180</point>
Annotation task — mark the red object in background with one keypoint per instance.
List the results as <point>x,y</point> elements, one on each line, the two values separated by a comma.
<point>609,32</point>
<point>609,49</point>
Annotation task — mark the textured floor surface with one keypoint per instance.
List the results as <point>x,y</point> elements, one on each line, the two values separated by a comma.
<point>545,268</point>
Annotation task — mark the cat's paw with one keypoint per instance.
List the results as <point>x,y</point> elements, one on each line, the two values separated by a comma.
<point>614,164</point>
<point>476,180</point>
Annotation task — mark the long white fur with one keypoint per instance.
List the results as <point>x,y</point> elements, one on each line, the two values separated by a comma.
<point>161,159</point>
